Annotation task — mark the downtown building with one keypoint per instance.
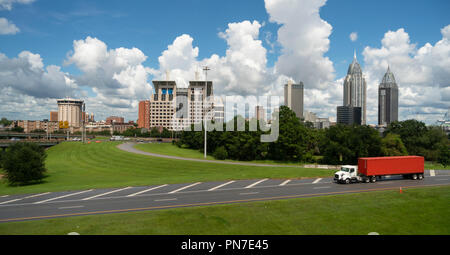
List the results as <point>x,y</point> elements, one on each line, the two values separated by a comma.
<point>387,99</point>
<point>176,108</point>
<point>355,88</point>
<point>293,97</point>
<point>71,110</point>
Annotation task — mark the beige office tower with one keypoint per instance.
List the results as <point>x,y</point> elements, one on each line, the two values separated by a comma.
<point>177,108</point>
<point>260,112</point>
<point>70,110</point>
<point>293,97</point>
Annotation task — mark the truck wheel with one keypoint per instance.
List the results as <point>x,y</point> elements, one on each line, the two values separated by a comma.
<point>373,179</point>
<point>420,176</point>
<point>366,179</point>
<point>347,181</point>
<point>414,176</point>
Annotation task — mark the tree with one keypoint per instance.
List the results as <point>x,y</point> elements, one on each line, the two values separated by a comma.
<point>220,153</point>
<point>24,163</point>
<point>392,145</point>
<point>17,129</point>
<point>444,155</point>
<point>5,122</point>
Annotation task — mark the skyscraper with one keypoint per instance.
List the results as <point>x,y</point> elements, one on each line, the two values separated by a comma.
<point>293,97</point>
<point>355,88</point>
<point>387,99</point>
<point>70,110</point>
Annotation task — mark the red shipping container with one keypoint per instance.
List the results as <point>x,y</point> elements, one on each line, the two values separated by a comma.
<point>391,165</point>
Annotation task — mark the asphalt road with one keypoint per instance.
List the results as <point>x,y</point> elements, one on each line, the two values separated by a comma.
<point>102,201</point>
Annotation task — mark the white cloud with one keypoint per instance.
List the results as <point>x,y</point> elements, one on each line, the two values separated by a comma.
<point>26,75</point>
<point>7,27</point>
<point>304,38</point>
<point>422,74</point>
<point>8,4</point>
<point>353,36</point>
<point>117,76</point>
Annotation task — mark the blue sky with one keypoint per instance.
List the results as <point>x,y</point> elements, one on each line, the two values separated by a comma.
<point>49,28</point>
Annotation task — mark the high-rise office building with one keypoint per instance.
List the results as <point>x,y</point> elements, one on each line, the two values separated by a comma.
<point>293,97</point>
<point>176,108</point>
<point>355,88</point>
<point>348,115</point>
<point>260,112</point>
<point>387,99</point>
<point>144,114</point>
<point>70,110</point>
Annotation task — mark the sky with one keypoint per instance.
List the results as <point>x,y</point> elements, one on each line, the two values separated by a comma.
<point>108,52</point>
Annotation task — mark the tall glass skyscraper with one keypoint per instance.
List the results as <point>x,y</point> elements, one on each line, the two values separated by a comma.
<point>355,88</point>
<point>387,99</point>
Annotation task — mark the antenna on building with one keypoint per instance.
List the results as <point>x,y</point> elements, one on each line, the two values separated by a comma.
<point>167,75</point>
<point>197,74</point>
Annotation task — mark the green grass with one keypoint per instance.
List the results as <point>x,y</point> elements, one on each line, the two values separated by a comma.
<point>173,150</point>
<point>419,211</point>
<point>76,166</point>
<point>435,166</point>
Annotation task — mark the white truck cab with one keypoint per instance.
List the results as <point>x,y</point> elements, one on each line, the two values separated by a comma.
<point>348,174</point>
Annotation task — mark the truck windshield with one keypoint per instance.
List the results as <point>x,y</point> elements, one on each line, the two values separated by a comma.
<point>345,169</point>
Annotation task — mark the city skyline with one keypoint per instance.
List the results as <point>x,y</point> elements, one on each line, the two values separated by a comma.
<point>252,52</point>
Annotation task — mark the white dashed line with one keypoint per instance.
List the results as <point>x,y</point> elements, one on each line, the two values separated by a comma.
<point>68,195</point>
<point>140,192</point>
<point>220,186</point>
<point>167,199</point>
<point>326,187</point>
<point>285,182</point>
<point>5,196</point>
<point>71,207</point>
<point>14,200</point>
<point>317,180</point>
<point>249,193</point>
<point>432,173</point>
<point>185,187</point>
<point>103,194</point>
<point>256,183</point>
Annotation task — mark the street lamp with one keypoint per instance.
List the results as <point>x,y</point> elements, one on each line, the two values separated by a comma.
<point>206,69</point>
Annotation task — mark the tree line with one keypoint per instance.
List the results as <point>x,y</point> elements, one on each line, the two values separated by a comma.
<point>339,144</point>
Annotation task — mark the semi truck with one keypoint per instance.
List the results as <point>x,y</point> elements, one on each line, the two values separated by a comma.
<point>371,169</point>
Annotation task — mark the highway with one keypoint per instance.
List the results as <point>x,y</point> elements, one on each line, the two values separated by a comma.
<point>128,199</point>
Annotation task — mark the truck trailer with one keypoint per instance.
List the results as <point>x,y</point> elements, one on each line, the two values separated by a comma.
<point>371,169</point>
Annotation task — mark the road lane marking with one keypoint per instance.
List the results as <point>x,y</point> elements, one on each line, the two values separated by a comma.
<point>220,186</point>
<point>285,182</point>
<point>5,196</point>
<point>167,199</point>
<point>140,192</point>
<point>107,193</point>
<point>14,200</point>
<point>68,195</point>
<point>185,187</point>
<point>441,179</point>
<point>326,187</point>
<point>214,203</point>
<point>10,201</point>
<point>317,180</point>
<point>432,173</point>
<point>249,193</point>
<point>256,183</point>
<point>385,182</point>
<point>71,207</point>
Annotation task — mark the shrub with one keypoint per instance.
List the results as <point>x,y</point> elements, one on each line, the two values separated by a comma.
<point>24,163</point>
<point>220,153</point>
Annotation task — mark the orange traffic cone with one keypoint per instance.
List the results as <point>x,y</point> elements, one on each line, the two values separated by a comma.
<point>401,191</point>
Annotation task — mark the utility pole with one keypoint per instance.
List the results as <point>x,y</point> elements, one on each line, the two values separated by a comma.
<point>206,69</point>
